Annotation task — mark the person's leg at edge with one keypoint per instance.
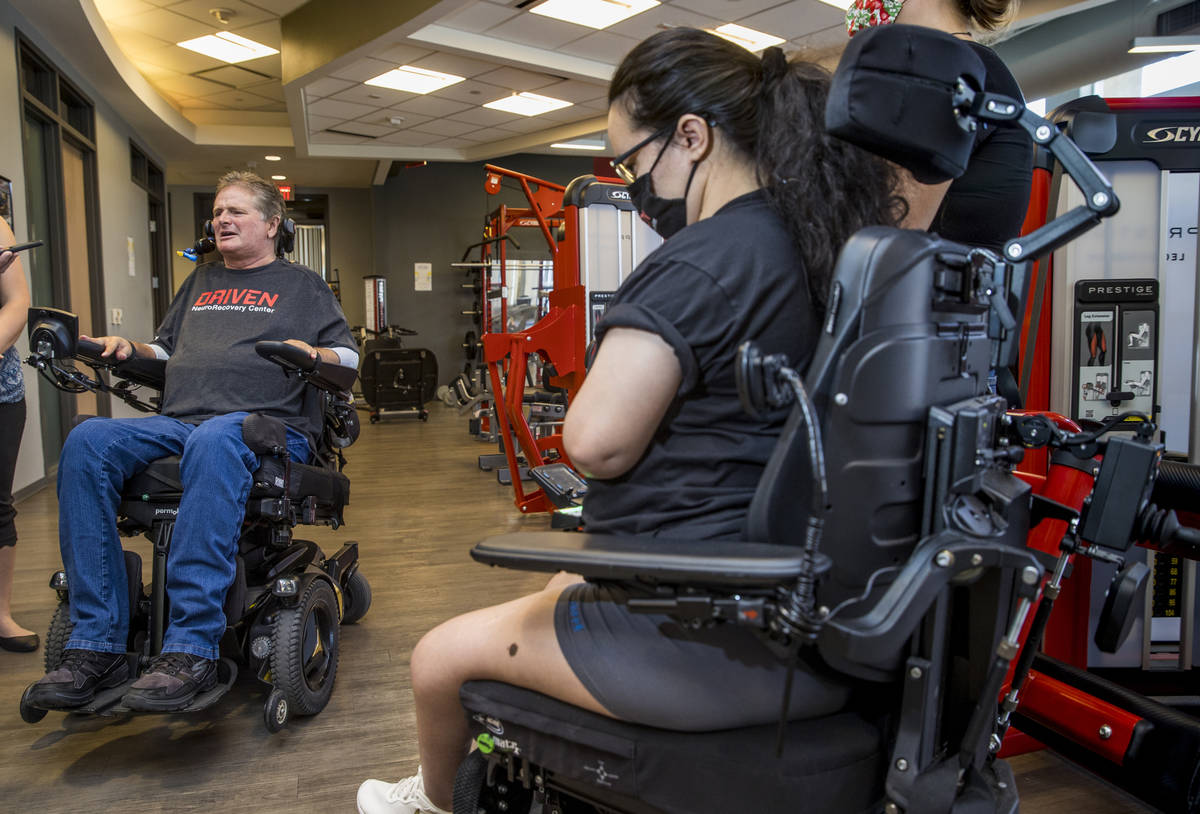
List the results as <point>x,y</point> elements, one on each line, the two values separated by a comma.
<point>514,643</point>
<point>12,427</point>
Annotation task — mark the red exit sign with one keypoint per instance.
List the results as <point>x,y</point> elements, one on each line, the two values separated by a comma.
<point>285,190</point>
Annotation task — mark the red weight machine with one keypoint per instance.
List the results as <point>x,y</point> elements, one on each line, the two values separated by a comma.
<point>1109,328</point>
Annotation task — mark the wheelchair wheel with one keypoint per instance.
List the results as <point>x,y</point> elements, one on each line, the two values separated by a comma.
<point>357,598</point>
<point>58,635</point>
<point>275,711</point>
<point>304,652</point>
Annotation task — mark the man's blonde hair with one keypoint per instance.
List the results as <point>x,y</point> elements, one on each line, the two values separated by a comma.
<point>269,201</point>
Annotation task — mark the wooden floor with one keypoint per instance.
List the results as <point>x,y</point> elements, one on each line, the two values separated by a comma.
<point>418,504</point>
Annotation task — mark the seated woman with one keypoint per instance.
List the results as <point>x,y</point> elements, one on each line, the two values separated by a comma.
<point>726,155</point>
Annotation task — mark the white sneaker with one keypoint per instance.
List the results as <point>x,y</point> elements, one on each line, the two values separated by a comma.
<point>405,797</point>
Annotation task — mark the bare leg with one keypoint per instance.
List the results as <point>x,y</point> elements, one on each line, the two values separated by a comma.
<point>514,642</point>
<point>8,627</point>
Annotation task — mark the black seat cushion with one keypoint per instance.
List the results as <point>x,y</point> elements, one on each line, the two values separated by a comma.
<point>160,480</point>
<point>830,764</point>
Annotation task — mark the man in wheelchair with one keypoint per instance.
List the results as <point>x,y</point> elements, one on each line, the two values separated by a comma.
<point>214,381</point>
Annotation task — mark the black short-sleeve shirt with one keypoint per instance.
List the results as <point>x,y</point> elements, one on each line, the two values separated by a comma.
<point>210,330</point>
<point>985,206</point>
<point>732,277</point>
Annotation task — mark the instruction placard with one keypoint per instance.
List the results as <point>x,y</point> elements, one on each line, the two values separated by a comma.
<point>423,276</point>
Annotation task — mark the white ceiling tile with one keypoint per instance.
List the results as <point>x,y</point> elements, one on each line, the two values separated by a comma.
<point>189,85</point>
<point>317,123</point>
<point>455,64</point>
<point>821,44</point>
<point>115,9</point>
<point>271,90</point>
<point>431,106</point>
<point>244,14</point>
<point>478,17</point>
<point>167,25</point>
<point>643,25</point>
<point>602,46</point>
<point>180,60</point>
<point>446,127</point>
<point>401,53</point>
<point>576,91</point>
<point>385,116</point>
<point>279,7</point>
<point>371,95</point>
<point>473,92</point>
<point>363,69</point>
<point>513,79</point>
<point>409,138</point>
<point>271,65</point>
<point>134,43</point>
<point>728,11</point>
<point>539,32</point>
<point>530,124</point>
<point>234,76</point>
<point>568,114</point>
<point>325,87</point>
<point>337,138</point>
<point>364,128</point>
<point>795,19</point>
<point>339,110</point>
<point>486,134</point>
<point>267,33</point>
<point>483,117</point>
<point>455,143</point>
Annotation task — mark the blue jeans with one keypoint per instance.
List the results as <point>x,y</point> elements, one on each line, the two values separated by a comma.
<point>216,469</point>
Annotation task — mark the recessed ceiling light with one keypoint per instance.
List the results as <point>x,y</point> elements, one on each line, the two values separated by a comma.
<point>593,13</point>
<point>527,104</point>
<point>227,47</point>
<point>1163,45</point>
<point>748,38</point>
<point>578,145</point>
<point>415,80</point>
<point>273,157</point>
<point>278,177</point>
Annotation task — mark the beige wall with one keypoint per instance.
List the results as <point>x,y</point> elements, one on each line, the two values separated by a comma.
<point>123,214</point>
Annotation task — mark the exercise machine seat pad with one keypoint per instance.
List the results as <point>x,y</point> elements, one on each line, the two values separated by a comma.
<point>834,763</point>
<point>161,479</point>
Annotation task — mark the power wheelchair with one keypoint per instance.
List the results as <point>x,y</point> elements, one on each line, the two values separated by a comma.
<point>887,538</point>
<point>288,599</point>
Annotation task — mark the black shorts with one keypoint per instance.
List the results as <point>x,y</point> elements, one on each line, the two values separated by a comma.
<point>649,669</point>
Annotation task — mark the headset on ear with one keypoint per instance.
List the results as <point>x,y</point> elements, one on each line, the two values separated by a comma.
<point>285,239</point>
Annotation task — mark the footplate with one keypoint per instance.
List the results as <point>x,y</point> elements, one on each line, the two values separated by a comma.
<point>226,675</point>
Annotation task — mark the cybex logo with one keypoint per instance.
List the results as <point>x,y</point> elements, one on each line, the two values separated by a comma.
<point>1173,134</point>
<point>618,194</point>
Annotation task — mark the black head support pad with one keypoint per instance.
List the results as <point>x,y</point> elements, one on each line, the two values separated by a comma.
<point>892,95</point>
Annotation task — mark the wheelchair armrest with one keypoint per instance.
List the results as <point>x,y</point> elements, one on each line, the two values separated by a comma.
<point>644,559</point>
<point>322,375</point>
<point>148,372</point>
<point>872,645</point>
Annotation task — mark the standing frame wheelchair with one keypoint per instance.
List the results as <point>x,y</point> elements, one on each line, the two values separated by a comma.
<point>886,540</point>
<point>288,599</point>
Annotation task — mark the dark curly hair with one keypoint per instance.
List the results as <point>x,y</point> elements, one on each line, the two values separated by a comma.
<point>772,110</point>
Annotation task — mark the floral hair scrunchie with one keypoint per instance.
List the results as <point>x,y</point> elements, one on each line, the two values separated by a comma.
<point>866,13</point>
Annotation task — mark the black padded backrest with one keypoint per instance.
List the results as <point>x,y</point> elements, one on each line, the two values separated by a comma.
<point>892,95</point>
<point>892,346</point>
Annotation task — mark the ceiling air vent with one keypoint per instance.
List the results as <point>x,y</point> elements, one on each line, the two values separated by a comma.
<point>1178,20</point>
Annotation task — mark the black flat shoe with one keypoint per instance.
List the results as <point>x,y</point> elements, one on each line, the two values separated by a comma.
<point>20,644</point>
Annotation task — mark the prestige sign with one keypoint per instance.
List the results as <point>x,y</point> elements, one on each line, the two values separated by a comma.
<point>1117,290</point>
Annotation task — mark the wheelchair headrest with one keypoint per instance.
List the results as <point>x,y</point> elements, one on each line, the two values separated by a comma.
<point>892,95</point>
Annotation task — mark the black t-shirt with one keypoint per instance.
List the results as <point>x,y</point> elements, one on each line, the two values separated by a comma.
<point>729,278</point>
<point>985,206</point>
<point>210,330</point>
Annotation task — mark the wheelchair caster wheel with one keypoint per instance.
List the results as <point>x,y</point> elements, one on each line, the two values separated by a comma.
<point>29,713</point>
<point>275,712</point>
<point>374,419</point>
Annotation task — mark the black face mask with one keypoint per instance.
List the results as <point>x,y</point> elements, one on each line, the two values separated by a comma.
<point>665,215</point>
